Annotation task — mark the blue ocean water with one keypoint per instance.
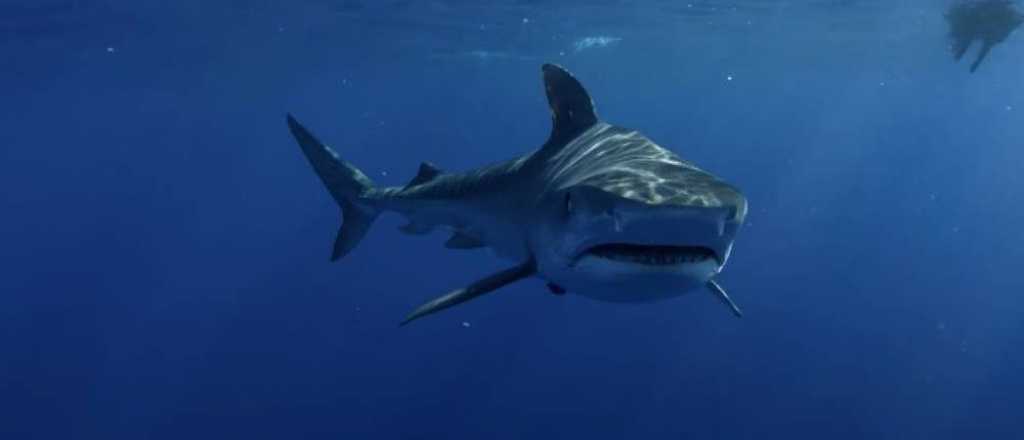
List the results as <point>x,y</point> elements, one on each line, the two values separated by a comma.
<point>165,245</point>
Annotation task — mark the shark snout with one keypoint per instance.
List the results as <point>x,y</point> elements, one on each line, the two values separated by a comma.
<point>699,229</point>
<point>691,223</point>
<point>640,252</point>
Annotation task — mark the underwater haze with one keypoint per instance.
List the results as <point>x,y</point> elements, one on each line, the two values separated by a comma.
<point>164,244</point>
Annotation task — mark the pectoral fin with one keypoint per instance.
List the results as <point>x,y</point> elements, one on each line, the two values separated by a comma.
<point>719,293</point>
<point>459,296</point>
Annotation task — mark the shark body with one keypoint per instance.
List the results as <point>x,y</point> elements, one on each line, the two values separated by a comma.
<point>598,210</point>
<point>987,21</point>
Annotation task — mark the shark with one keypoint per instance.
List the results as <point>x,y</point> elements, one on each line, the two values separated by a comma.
<point>598,210</point>
<point>988,21</point>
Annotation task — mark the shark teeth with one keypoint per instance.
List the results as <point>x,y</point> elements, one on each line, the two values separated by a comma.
<point>652,254</point>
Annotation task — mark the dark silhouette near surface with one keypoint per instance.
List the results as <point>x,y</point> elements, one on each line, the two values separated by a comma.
<point>989,21</point>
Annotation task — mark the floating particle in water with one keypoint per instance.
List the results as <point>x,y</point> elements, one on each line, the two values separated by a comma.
<point>526,20</point>
<point>466,324</point>
<point>594,42</point>
<point>728,78</point>
<point>111,50</point>
<point>1009,108</point>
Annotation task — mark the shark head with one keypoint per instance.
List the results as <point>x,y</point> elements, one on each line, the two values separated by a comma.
<point>628,221</point>
<point>624,219</point>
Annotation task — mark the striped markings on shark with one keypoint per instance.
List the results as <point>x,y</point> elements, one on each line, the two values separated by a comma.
<point>598,210</point>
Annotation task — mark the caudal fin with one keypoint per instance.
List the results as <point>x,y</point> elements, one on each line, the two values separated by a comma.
<point>347,185</point>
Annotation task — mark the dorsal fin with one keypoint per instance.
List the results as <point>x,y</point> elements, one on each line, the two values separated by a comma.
<point>572,110</point>
<point>426,173</point>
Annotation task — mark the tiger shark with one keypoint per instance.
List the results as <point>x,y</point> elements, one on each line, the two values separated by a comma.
<point>598,210</point>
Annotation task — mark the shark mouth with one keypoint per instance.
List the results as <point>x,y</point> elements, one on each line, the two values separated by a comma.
<point>652,255</point>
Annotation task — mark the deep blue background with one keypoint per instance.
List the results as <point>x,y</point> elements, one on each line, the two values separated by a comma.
<point>163,243</point>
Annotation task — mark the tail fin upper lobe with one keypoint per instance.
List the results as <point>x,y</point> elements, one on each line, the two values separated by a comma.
<point>347,185</point>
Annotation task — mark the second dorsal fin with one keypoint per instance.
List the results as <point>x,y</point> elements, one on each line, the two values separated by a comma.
<point>427,172</point>
<point>572,110</point>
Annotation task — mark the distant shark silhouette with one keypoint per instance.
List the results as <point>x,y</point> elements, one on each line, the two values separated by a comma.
<point>598,210</point>
<point>988,21</point>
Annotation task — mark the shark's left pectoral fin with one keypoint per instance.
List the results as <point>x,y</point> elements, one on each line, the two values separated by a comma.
<point>486,285</point>
<point>719,293</point>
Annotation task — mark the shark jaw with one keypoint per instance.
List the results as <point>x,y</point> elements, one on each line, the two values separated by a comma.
<point>640,273</point>
<point>636,252</point>
<point>644,256</point>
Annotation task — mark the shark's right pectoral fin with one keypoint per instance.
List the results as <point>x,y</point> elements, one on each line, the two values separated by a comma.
<point>719,293</point>
<point>486,285</point>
